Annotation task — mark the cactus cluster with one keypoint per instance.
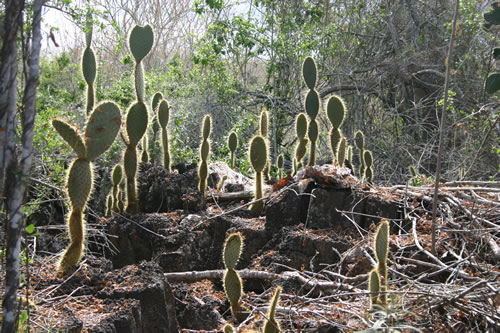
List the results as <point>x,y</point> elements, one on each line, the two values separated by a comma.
<point>301,148</point>
<point>271,325</point>
<point>336,111</point>
<point>101,129</point>
<point>232,143</point>
<point>377,278</point>
<point>140,43</point>
<point>204,153</point>
<point>233,286</point>
<point>311,104</point>
<point>257,155</point>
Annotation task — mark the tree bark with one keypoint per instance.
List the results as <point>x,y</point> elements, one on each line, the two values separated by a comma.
<point>18,170</point>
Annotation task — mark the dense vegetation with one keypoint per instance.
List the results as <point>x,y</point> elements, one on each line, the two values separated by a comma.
<point>386,59</point>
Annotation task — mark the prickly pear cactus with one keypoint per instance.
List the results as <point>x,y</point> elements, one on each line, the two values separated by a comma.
<point>257,156</point>
<point>336,111</point>
<point>280,164</point>
<point>164,117</point>
<point>311,104</point>
<point>232,143</point>
<point>204,153</point>
<point>264,132</point>
<point>301,148</point>
<point>368,161</point>
<point>140,42</point>
<point>374,286</point>
<point>342,151</point>
<point>359,141</point>
<point>233,286</point>
<point>381,248</point>
<point>271,325</point>
<point>100,131</point>
<point>116,179</point>
<point>89,67</point>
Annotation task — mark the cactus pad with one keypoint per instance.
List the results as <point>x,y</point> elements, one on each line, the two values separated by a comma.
<point>163,113</point>
<point>89,66</point>
<point>102,128</point>
<point>207,125</point>
<point>311,103</point>
<point>156,101</point>
<point>368,158</point>
<point>335,111</point>
<point>280,161</point>
<point>79,183</point>
<point>381,244</point>
<point>309,72</point>
<point>359,140</point>
<point>258,153</point>
<point>232,250</point>
<point>232,141</point>
<point>301,125</point>
<point>313,130</point>
<point>137,122</point>
<point>264,123</point>
<point>141,41</point>
<point>117,174</point>
<point>70,134</point>
<point>373,286</point>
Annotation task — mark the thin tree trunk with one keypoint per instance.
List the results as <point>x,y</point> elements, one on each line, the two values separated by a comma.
<point>17,174</point>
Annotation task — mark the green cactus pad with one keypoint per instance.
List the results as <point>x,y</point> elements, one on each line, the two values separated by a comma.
<point>335,111</point>
<point>204,150</point>
<point>271,325</point>
<point>163,113</point>
<point>413,171</point>
<point>232,141</point>
<point>70,134</point>
<point>139,82</point>
<point>90,97</point>
<point>130,162</point>
<point>233,247</point>
<point>381,242</point>
<point>258,153</point>
<point>79,183</point>
<point>359,140</point>
<point>301,150</point>
<point>207,126</point>
<point>232,286</point>
<point>309,72</point>
<point>313,130</point>
<point>349,154</point>
<point>89,66</point>
<point>369,174</point>
<point>137,122</point>
<point>117,175</point>
<point>203,174</point>
<point>311,103</point>
<point>264,123</point>
<point>368,158</point>
<point>141,41</point>
<point>335,138</point>
<point>373,286</point>
<point>341,151</point>
<point>281,161</point>
<point>102,127</point>
<point>301,125</point>
<point>156,101</point>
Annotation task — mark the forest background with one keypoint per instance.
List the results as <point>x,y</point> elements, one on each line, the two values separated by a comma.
<point>230,59</point>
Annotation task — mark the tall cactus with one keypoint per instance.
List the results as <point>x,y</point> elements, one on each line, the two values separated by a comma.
<point>264,132</point>
<point>336,111</point>
<point>280,163</point>
<point>204,153</point>
<point>257,156</point>
<point>271,325</point>
<point>232,143</point>
<point>101,129</point>
<point>89,67</point>
<point>301,148</point>
<point>368,159</point>
<point>155,125</point>
<point>381,249</point>
<point>359,141</point>
<point>140,42</point>
<point>311,104</point>
<point>163,113</point>
<point>116,179</point>
<point>233,286</point>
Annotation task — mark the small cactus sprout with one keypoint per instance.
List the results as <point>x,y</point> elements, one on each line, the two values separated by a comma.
<point>412,170</point>
<point>163,113</point>
<point>232,143</point>
<point>101,129</point>
<point>204,153</point>
<point>220,184</point>
<point>342,151</point>
<point>381,247</point>
<point>258,160</point>
<point>368,161</point>
<point>280,164</point>
<point>109,204</point>
<point>311,104</point>
<point>89,67</point>
<point>373,286</point>
<point>228,328</point>
<point>233,286</point>
<point>301,148</point>
<point>116,179</point>
<point>271,325</point>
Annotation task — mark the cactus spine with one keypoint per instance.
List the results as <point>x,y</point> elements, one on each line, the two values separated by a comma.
<point>272,325</point>
<point>232,143</point>
<point>101,129</point>
<point>163,112</point>
<point>233,286</point>
<point>257,156</point>
<point>311,104</point>
<point>89,67</point>
<point>301,148</point>
<point>336,111</point>
<point>140,43</point>
<point>378,276</point>
<point>204,153</point>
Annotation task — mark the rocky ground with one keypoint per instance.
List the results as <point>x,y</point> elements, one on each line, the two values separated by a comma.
<point>161,271</point>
